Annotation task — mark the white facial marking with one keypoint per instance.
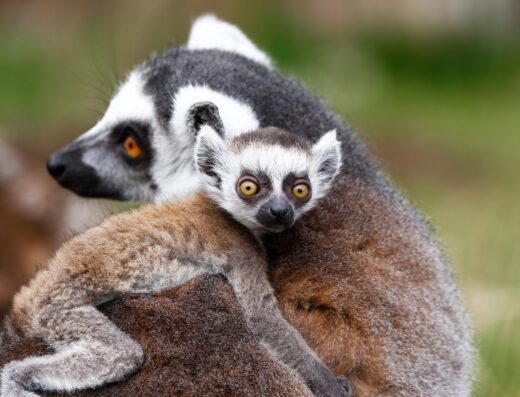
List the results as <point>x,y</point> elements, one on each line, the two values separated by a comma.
<point>209,32</point>
<point>274,160</point>
<point>129,103</point>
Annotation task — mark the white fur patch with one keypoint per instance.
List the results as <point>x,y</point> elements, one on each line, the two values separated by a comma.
<point>237,117</point>
<point>274,160</point>
<point>129,103</point>
<point>209,32</point>
<point>181,184</point>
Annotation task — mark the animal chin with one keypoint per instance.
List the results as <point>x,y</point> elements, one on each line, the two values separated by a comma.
<point>276,227</point>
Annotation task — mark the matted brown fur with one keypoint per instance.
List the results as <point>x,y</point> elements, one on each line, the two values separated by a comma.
<point>371,295</point>
<point>196,342</point>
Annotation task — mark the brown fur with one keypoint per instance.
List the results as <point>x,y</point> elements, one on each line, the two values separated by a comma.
<point>98,258</point>
<point>197,344</point>
<point>368,285</point>
<point>144,250</point>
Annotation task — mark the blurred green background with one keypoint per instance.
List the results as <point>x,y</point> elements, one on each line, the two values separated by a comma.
<point>432,86</point>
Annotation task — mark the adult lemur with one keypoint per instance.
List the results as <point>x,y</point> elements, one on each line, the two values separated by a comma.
<point>361,276</point>
<point>266,179</point>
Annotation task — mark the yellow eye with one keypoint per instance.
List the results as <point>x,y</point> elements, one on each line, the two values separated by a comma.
<point>301,190</point>
<point>133,150</point>
<point>248,188</point>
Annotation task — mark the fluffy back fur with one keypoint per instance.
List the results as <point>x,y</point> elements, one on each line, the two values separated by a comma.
<point>146,250</point>
<point>197,343</point>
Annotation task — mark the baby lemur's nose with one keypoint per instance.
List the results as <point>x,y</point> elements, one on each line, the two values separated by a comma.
<point>279,210</point>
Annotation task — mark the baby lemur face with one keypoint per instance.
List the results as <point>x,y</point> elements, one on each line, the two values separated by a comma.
<point>266,179</point>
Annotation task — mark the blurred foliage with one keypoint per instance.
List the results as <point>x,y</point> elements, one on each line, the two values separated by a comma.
<point>440,109</point>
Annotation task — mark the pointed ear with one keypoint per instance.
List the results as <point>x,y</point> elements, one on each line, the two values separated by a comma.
<point>327,156</point>
<point>208,32</point>
<point>204,113</point>
<point>210,153</point>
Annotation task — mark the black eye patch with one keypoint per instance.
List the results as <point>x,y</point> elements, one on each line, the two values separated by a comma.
<point>263,179</point>
<point>264,182</point>
<point>288,183</point>
<point>141,133</point>
<point>292,177</point>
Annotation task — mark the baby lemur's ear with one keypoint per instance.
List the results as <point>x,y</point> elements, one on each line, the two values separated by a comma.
<point>327,156</point>
<point>204,113</point>
<point>211,153</point>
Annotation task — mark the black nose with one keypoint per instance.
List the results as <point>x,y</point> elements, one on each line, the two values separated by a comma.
<point>56,166</point>
<point>276,214</point>
<point>279,210</point>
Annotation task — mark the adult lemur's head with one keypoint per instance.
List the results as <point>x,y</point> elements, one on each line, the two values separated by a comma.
<point>267,178</point>
<point>141,149</point>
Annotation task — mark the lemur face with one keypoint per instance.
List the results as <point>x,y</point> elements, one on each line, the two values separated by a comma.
<point>266,179</point>
<point>140,150</point>
<point>113,159</point>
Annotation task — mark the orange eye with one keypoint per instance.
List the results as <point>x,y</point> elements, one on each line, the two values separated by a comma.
<point>301,190</point>
<point>248,188</point>
<point>133,150</point>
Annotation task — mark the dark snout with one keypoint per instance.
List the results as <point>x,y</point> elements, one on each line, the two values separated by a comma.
<point>276,214</point>
<point>57,164</point>
<point>68,169</point>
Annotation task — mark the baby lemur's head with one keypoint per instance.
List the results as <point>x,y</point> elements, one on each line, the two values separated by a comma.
<point>267,178</point>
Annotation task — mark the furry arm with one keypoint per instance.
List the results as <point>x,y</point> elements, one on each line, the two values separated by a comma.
<point>196,343</point>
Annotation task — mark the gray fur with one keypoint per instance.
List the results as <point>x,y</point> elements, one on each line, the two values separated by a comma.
<point>277,100</point>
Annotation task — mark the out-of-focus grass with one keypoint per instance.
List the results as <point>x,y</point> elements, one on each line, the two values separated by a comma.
<point>442,112</point>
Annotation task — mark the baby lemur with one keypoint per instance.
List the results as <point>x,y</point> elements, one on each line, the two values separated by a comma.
<point>265,180</point>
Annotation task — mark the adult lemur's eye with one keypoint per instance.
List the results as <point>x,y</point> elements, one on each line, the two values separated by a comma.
<point>248,187</point>
<point>300,190</point>
<point>132,148</point>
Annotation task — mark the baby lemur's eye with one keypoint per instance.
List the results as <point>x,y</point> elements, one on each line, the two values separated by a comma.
<point>132,148</point>
<point>248,187</point>
<point>300,190</point>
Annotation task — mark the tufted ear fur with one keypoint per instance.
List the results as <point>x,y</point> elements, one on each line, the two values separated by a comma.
<point>208,32</point>
<point>210,153</point>
<point>327,157</point>
<point>204,113</point>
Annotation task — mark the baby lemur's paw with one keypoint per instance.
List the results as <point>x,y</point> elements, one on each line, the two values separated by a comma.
<point>325,384</point>
<point>344,383</point>
<point>17,381</point>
